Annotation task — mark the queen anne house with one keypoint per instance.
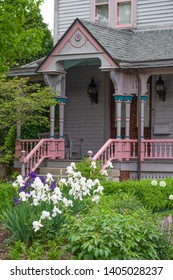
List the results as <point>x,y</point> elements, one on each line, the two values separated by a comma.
<point>112,67</point>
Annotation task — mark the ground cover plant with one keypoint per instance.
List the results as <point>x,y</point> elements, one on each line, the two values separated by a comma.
<point>85,218</point>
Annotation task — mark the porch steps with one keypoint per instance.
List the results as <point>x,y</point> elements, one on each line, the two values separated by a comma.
<point>60,172</point>
<point>57,172</point>
<point>113,175</point>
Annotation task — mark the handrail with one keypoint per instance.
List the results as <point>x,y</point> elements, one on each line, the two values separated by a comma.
<point>117,149</point>
<point>36,156</point>
<point>45,148</point>
<point>126,149</point>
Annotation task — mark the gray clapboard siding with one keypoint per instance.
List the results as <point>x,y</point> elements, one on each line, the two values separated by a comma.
<point>69,10</point>
<point>154,12</point>
<point>83,119</point>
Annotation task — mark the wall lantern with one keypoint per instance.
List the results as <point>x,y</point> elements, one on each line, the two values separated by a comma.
<point>161,89</point>
<point>93,91</point>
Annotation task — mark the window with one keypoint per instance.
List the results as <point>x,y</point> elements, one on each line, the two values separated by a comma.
<point>121,14</point>
<point>102,12</point>
<point>124,13</point>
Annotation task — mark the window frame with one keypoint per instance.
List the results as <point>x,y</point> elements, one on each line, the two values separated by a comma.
<point>101,4</point>
<point>116,14</point>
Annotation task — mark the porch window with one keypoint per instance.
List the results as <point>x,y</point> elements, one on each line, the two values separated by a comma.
<point>124,13</point>
<point>102,12</point>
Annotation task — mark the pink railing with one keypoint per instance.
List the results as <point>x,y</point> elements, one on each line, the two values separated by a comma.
<point>126,149</point>
<point>157,149</point>
<point>25,145</point>
<point>37,150</point>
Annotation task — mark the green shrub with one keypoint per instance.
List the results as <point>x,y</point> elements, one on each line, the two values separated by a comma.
<point>109,235</point>
<point>154,198</point>
<point>7,193</point>
<point>86,171</point>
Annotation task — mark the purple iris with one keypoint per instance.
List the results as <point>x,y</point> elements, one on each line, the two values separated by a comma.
<point>53,185</point>
<point>32,175</point>
<point>16,201</point>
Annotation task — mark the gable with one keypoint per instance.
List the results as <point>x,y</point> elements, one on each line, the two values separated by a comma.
<point>77,43</point>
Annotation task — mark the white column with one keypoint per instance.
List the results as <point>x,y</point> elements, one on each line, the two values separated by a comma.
<point>52,121</point>
<point>143,101</point>
<point>127,100</point>
<point>118,101</point>
<point>62,102</point>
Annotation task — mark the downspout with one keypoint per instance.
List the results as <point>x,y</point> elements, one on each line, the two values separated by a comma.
<point>139,126</point>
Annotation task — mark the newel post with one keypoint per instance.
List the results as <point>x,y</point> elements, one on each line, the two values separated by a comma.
<point>22,164</point>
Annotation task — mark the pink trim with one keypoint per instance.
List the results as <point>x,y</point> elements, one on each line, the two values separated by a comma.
<point>66,39</point>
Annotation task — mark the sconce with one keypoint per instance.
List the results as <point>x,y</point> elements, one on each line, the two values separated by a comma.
<point>93,91</point>
<point>161,89</point>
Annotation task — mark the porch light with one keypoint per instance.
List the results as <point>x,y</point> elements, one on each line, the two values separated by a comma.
<point>161,89</point>
<point>93,91</point>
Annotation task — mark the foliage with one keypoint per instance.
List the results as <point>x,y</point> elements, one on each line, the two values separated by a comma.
<point>84,168</point>
<point>155,198</point>
<point>23,33</point>
<point>28,103</point>
<point>38,250</point>
<point>104,234</point>
<point>7,192</point>
<point>42,205</point>
<point>22,101</point>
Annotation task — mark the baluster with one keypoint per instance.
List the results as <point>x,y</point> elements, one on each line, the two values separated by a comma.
<point>151,149</point>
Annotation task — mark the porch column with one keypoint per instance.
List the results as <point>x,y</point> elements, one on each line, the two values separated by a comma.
<point>127,101</point>
<point>143,101</point>
<point>118,101</point>
<point>52,121</point>
<point>18,129</point>
<point>62,102</point>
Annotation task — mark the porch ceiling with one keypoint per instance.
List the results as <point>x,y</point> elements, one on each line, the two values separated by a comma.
<point>80,62</point>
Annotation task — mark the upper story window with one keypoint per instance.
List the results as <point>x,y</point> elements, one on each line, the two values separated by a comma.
<point>102,11</point>
<point>124,13</point>
<point>121,10</point>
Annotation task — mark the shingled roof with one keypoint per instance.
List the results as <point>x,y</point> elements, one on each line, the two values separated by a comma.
<point>134,45</point>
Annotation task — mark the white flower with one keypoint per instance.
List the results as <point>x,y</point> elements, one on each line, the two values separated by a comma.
<point>63,181</point>
<point>67,202</point>
<point>162,184</point>
<point>73,165</point>
<point>104,172</point>
<point>15,184</point>
<point>35,202</point>
<point>171,197</point>
<point>96,198</point>
<point>45,215</point>
<point>93,165</point>
<point>54,198</point>
<point>36,225</point>
<point>19,182</point>
<point>70,170</point>
<point>154,183</point>
<point>99,189</point>
<point>23,196</point>
<point>49,178</point>
<point>109,165</point>
<point>56,211</point>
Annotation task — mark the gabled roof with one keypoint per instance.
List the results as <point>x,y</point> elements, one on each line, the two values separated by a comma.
<point>128,48</point>
<point>134,45</point>
<point>77,43</point>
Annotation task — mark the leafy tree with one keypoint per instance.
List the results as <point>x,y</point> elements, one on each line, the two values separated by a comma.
<point>21,100</point>
<point>23,34</point>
